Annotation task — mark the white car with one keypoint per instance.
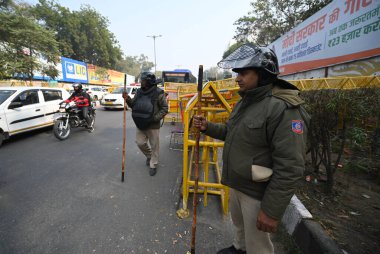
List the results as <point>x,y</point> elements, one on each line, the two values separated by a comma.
<point>115,99</point>
<point>27,108</point>
<point>96,93</point>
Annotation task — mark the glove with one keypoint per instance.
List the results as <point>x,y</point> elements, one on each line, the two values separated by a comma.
<point>125,95</point>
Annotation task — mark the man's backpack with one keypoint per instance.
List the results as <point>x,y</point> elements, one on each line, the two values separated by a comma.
<point>143,108</point>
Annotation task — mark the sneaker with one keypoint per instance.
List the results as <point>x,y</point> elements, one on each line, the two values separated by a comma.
<point>231,250</point>
<point>152,171</point>
<point>147,161</point>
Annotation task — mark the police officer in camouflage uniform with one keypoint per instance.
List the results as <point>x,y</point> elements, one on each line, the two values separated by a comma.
<point>264,149</point>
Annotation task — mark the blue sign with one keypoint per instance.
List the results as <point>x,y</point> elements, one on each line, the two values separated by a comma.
<point>74,71</point>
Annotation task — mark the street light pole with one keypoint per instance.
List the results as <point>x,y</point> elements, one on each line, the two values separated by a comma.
<point>154,45</point>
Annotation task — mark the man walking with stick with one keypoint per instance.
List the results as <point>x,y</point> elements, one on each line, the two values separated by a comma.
<point>264,148</point>
<point>149,106</point>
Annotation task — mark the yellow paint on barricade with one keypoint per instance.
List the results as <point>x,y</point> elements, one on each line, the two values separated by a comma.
<point>180,93</point>
<point>337,83</point>
<point>213,105</point>
<point>174,91</point>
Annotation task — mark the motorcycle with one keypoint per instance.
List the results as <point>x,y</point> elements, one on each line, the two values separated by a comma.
<point>70,116</point>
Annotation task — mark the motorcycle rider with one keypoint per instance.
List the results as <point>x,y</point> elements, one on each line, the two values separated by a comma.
<point>83,102</point>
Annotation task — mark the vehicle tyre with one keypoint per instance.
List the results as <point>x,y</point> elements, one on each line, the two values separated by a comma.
<point>60,132</point>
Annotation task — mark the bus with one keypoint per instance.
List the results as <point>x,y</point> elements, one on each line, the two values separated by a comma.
<point>178,76</point>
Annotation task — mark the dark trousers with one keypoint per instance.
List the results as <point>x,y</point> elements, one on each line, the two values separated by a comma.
<point>86,116</point>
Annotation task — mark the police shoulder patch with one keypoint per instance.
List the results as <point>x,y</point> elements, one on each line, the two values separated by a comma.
<point>297,126</point>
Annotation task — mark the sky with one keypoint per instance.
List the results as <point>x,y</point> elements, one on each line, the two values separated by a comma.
<point>193,32</point>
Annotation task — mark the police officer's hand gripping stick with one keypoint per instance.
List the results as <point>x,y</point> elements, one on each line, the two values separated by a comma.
<point>197,137</point>
<point>124,129</point>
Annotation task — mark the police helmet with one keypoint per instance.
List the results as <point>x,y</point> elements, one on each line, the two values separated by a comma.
<point>251,56</point>
<point>150,77</point>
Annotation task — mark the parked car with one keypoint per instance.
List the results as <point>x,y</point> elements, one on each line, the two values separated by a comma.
<point>96,93</point>
<point>27,108</point>
<point>115,99</point>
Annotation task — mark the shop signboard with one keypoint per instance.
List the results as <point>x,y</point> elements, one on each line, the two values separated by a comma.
<point>101,76</point>
<point>73,70</point>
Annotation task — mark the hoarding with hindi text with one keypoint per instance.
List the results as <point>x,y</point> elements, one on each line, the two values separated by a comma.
<point>343,31</point>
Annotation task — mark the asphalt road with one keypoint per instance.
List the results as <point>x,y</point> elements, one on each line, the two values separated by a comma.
<point>67,196</point>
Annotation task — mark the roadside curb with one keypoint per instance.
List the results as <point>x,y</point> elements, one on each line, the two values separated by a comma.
<point>307,233</point>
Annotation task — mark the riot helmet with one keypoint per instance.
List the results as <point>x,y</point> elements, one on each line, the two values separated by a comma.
<point>149,77</point>
<point>77,87</point>
<point>248,56</point>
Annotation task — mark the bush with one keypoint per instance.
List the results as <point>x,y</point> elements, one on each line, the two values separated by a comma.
<point>344,123</point>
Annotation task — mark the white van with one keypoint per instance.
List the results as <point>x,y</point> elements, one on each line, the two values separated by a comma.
<point>27,108</point>
<point>115,99</point>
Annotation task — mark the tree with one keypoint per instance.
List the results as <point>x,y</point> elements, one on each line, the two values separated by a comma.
<point>4,4</point>
<point>213,73</point>
<point>24,44</point>
<point>60,19</point>
<point>134,65</point>
<point>98,45</point>
<point>82,35</point>
<point>268,20</point>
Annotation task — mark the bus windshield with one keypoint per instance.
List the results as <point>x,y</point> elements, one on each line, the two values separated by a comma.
<point>178,76</point>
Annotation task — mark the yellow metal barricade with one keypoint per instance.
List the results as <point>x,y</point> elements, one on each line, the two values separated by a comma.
<point>177,91</point>
<point>174,91</point>
<point>213,107</point>
<point>337,83</point>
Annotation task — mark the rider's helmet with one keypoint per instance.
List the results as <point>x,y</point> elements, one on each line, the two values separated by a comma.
<point>250,56</point>
<point>149,77</point>
<point>77,87</point>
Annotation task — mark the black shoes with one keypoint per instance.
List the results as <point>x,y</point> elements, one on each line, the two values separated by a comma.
<point>231,250</point>
<point>152,171</point>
